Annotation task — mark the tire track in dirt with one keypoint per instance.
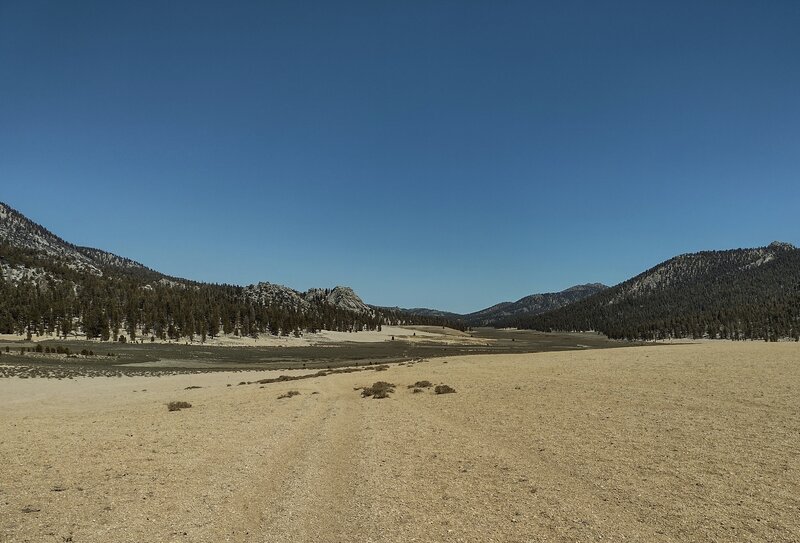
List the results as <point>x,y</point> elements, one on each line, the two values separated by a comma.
<point>322,496</point>
<point>305,481</point>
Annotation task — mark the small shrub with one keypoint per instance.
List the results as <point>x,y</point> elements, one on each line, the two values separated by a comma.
<point>417,390</point>
<point>177,406</point>
<point>444,389</point>
<point>378,390</point>
<point>421,384</point>
<point>192,387</point>
<point>84,352</point>
<point>289,394</point>
<point>39,348</point>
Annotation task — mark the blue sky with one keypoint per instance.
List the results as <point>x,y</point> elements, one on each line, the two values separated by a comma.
<point>440,154</point>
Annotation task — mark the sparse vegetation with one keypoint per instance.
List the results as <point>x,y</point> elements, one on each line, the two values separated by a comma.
<point>177,406</point>
<point>421,384</point>
<point>289,394</point>
<point>444,389</point>
<point>378,390</point>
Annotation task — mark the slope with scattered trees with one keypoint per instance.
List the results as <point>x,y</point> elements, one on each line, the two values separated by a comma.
<point>49,286</point>
<point>734,294</point>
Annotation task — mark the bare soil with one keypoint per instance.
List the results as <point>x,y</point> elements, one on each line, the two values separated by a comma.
<point>663,443</point>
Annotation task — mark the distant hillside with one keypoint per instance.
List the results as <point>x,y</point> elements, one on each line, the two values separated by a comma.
<point>19,232</point>
<point>534,304</point>
<point>427,313</point>
<point>505,313</point>
<point>739,294</point>
<point>48,285</point>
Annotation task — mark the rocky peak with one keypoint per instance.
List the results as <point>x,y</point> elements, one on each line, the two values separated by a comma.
<point>781,246</point>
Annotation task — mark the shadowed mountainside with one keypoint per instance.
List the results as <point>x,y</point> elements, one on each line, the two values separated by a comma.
<point>736,294</point>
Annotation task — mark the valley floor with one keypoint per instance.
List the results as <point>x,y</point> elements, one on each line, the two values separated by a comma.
<point>414,334</point>
<point>696,442</point>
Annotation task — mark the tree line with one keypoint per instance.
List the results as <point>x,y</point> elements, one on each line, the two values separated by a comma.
<point>729,302</point>
<point>64,301</point>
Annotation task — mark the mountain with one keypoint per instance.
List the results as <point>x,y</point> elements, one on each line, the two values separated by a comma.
<point>278,295</point>
<point>738,293</point>
<point>435,313</point>
<point>48,285</point>
<point>534,304</point>
<point>19,232</point>
<point>504,312</point>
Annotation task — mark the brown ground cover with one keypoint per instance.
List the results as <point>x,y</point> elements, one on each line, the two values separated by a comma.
<point>663,443</point>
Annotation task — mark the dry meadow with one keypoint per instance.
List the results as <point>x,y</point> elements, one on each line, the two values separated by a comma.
<point>697,442</point>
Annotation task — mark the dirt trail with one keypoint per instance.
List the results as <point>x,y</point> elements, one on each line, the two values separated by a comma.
<point>663,443</point>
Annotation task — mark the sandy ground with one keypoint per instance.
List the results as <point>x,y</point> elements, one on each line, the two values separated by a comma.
<point>658,443</point>
<point>414,334</point>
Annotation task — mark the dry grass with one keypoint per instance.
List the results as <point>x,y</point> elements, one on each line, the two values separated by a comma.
<point>665,443</point>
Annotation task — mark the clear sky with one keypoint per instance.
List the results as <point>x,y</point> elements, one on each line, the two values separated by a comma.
<point>439,154</point>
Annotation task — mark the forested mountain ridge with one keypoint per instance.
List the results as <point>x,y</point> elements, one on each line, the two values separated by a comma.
<point>19,232</point>
<point>50,286</point>
<point>504,312</point>
<point>426,312</point>
<point>737,294</point>
<point>534,304</point>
